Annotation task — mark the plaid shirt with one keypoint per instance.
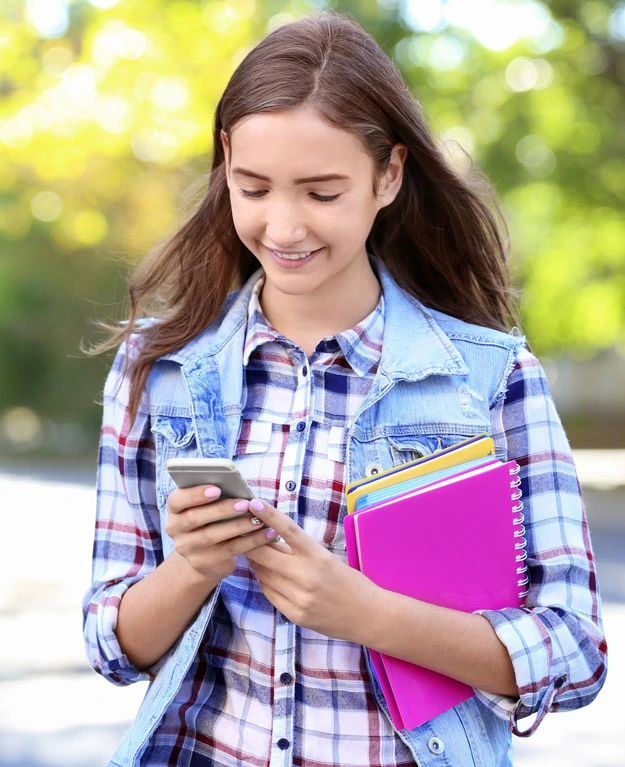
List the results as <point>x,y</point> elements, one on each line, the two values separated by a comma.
<point>282,693</point>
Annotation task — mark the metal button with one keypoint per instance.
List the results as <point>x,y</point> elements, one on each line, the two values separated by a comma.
<point>283,744</point>
<point>290,485</point>
<point>372,469</point>
<point>301,426</point>
<point>286,678</point>
<point>436,745</point>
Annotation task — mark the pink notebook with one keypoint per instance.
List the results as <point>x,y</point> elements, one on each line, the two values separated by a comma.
<point>456,543</point>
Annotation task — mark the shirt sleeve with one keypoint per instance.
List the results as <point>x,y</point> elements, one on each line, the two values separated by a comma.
<point>127,543</point>
<point>556,641</point>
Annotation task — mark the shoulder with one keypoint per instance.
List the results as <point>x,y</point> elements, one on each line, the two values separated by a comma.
<point>466,332</point>
<point>527,378</point>
<point>456,330</point>
<point>130,347</point>
<point>494,357</point>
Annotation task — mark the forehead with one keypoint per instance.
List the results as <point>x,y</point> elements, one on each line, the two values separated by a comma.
<point>296,141</point>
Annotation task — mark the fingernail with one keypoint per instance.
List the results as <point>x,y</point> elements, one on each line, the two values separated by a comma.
<point>271,533</point>
<point>241,505</point>
<point>257,505</point>
<point>212,492</point>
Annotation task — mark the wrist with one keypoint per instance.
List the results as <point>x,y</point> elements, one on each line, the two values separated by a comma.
<point>371,620</point>
<point>198,582</point>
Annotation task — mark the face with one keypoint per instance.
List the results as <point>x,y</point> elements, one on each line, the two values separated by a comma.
<point>303,202</point>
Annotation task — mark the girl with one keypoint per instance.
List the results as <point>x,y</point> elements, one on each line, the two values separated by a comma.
<point>369,326</point>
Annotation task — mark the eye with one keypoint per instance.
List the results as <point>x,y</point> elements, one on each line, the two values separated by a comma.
<point>325,198</point>
<point>263,192</point>
<point>260,193</point>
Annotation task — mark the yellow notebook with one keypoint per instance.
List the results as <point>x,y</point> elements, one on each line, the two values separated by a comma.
<point>479,446</point>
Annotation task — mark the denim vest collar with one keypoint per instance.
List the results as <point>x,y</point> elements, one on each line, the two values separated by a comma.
<point>412,350</point>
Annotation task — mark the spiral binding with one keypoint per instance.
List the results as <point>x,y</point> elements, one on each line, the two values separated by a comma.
<point>520,544</point>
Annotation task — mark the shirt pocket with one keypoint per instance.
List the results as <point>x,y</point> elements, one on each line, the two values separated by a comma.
<point>255,459</point>
<point>334,493</point>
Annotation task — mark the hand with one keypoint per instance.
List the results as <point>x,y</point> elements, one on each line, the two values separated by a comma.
<point>308,584</point>
<point>211,549</point>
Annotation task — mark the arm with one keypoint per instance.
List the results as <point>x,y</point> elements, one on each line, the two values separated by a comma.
<point>139,603</point>
<point>461,645</point>
<point>299,577</point>
<point>155,611</point>
<point>556,642</point>
<point>127,544</point>
<point>550,654</point>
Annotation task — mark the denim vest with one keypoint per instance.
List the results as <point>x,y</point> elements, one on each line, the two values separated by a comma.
<point>437,379</point>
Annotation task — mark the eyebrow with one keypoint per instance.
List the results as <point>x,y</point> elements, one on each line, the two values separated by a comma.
<point>308,180</point>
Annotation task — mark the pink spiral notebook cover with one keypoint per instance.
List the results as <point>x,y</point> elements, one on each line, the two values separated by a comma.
<point>452,543</point>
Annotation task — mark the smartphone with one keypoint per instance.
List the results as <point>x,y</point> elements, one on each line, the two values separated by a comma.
<point>191,472</point>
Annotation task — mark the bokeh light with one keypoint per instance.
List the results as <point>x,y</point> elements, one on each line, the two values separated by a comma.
<point>536,156</point>
<point>523,74</point>
<point>50,18</point>
<point>46,206</point>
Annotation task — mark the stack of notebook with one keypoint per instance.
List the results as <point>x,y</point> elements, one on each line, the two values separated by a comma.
<point>446,529</point>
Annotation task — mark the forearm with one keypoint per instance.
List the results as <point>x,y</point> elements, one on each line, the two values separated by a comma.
<point>155,611</point>
<point>461,645</point>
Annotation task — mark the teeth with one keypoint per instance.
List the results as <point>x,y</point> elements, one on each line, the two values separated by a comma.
<point>292,256</point>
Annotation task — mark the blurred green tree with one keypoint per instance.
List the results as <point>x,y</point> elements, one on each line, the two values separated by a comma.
<point>105,120</point>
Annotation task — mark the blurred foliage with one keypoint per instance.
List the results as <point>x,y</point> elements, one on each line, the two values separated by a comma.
<point>105,121</point>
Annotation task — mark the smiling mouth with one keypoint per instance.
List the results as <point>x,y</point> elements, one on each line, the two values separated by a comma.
<point>291,256</point>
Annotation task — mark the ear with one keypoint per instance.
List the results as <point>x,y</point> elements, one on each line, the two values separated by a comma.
<point>226,147</point>
<point>390,184</point>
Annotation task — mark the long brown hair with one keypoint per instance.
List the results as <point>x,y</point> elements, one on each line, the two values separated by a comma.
<point>439,238</point>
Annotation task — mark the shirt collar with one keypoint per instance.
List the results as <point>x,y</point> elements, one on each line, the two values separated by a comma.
<point>259,331</point>
<point>361,345</point>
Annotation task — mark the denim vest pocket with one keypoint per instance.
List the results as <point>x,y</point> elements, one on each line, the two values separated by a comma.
<point>176,431</point>
<point>174,437</point>
<point>410,447</point>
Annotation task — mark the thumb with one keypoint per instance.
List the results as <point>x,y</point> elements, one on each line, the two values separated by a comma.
<point>279,524</point>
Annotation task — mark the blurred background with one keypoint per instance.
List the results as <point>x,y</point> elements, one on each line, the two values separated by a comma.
<point>106,111</point>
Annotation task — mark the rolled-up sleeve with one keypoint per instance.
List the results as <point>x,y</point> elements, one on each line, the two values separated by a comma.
<point>127,543</point>
<point>556,641</point>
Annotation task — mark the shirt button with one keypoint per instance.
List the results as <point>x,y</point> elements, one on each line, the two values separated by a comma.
<point>304,371</point>
<point>301,426</point>
<point>283,744</point>
<point>290,486</point>
<point>436,745</point>
<point>286,678</point>
<point>558,683</point>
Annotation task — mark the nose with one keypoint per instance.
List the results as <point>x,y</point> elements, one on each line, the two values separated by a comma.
<point>285,226</point>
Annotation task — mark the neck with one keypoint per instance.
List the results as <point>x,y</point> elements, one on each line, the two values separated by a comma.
<point>307,319</point>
